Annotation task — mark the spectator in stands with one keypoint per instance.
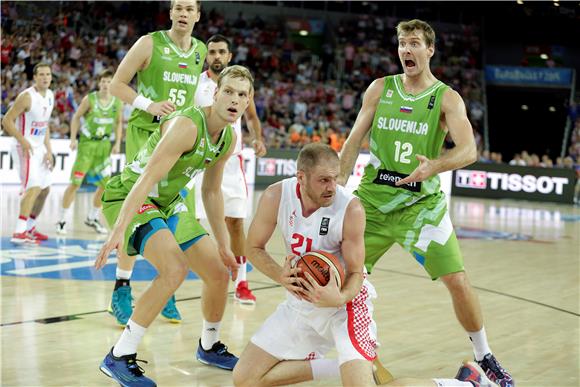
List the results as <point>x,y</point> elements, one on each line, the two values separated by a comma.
<point>517,160</point>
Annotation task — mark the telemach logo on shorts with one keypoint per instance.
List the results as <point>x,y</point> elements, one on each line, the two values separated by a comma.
<point>386,177</point>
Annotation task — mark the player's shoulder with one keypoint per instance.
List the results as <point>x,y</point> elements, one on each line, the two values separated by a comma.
<point>273,193</point>
<point>451,99</point>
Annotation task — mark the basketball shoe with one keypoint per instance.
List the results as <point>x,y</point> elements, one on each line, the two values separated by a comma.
<point>61,228</point>
<point>243,294</point>
<point>23,238</point>
<point>217,356</point>
<point>120,306</point>
<point>170,311</point>
<point>472,373</point>
<point>125,370</point>
<point>36,235</point>
<point>94,223</point>
<point>494,371</point>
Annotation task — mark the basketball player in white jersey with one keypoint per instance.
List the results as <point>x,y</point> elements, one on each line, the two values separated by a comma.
<point>313,213</point>
<point>234,187</point>
<point>27,121</point>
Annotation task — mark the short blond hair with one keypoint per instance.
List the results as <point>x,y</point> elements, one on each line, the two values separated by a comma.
<point>315,154</point>
<point>236,71</point>
<point>406,27</point>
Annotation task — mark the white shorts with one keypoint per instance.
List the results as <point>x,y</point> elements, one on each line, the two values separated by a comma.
<point>33,170</point>
<point>234,190</point>
<point>293,334</point>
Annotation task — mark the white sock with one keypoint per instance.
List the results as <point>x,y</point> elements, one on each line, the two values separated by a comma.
<point>210,333</point>
<point>479,342</point>
<point>129,340</point>
<point>123,274</point>
<point>65,214</point>
<point>21,224</point>
<point>241,270</point>
<point>451,382</point>
<point>30,223</point>
<point>325,369</point>
<point>94,213</point>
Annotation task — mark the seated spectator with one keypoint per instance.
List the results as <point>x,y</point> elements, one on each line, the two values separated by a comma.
<point>518,161</point>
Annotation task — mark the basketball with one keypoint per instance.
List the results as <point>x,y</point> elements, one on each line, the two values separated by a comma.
<point>320,264</point>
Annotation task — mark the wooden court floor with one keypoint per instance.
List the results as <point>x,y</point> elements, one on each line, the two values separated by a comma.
<point>522,257</point>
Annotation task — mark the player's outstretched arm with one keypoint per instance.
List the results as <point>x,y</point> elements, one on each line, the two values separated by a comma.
<point>213,202</point>
<point>179,136</point>
<point>464,153</point>
<point>361,127</point>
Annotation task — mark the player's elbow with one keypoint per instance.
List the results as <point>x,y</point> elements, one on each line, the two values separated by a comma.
<point>472,155</point>
<point>115,88</point>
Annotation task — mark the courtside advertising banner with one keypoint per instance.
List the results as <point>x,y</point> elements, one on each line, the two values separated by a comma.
<point>64,159</point>
<point>500,181</point>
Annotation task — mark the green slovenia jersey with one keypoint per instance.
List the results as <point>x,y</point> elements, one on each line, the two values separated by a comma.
<point>171,75</point>
<point>404,125</point>
<point>204,154</point>
<point>100,121</point>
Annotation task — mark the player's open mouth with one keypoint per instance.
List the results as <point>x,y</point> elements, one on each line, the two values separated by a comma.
<point>182,23</point>
<point>409,64</point>
<point>233,110</point>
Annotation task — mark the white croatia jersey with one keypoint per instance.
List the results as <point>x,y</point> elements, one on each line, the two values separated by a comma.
<point>204,97</point>
<point>322,230</point>
<point>33,124</point>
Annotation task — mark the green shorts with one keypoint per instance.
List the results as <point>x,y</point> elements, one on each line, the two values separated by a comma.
<point>93,159</point>
<point>135,138</point>
<point>187,224</point>
<point>113,198</point>
<point>424,229</point>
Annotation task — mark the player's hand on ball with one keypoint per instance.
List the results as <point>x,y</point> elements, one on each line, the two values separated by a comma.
<point>289,278</point>
<point>327,296</point>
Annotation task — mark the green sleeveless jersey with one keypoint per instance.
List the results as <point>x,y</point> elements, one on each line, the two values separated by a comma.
<point>203,155</point>
<point>404,125</point>
<point>171,75</point>
<point>100,121</point>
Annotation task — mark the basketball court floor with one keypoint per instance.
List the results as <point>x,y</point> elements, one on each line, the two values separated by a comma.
<point>522,257</point>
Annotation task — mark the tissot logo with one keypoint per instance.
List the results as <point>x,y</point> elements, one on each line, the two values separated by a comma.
<point>510,182</point>
<point>276,167</point>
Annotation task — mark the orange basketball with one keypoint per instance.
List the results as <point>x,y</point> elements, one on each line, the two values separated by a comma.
<point>320,265</point>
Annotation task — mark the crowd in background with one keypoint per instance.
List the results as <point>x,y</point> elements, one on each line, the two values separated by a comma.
<point>301,96</point>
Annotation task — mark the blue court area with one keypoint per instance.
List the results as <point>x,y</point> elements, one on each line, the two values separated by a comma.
<point>66,259</point>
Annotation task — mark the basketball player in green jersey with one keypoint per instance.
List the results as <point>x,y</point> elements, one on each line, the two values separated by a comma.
<point>408,116</point>
<point>168,65</point>
<point>102,113</point>
<point>141,206</point>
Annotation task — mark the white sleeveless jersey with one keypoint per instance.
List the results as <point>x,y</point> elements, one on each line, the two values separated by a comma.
<point>320,231</point>
<point>33,124</point>
<point>204,97</point>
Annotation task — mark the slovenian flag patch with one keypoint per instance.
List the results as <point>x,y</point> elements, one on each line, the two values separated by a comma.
<point>183,65</point>
<point>406,109</point>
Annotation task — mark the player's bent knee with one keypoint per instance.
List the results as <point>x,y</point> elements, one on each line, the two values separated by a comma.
<point>456,281</point>
<point>173,275</point>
